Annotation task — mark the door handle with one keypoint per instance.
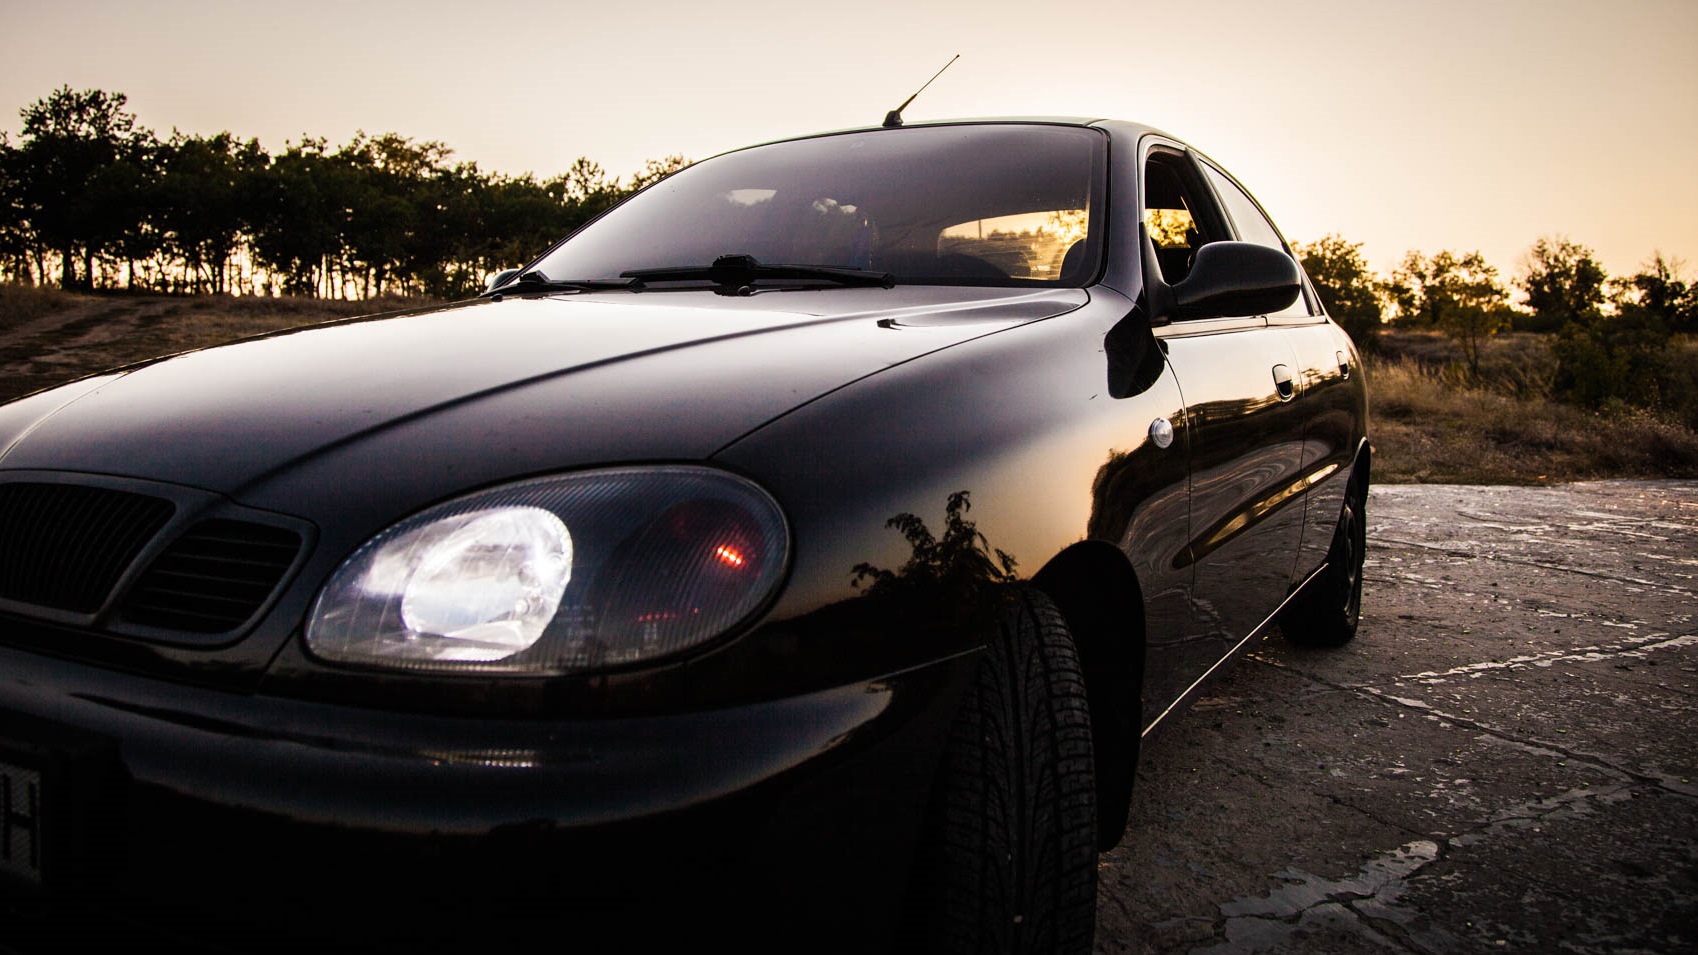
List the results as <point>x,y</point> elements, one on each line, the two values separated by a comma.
<point>1284,383</point>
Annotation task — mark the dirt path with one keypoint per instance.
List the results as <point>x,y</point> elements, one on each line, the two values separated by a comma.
<point>58,346</point>
<point>94,333</point>
<point>1505,760</point>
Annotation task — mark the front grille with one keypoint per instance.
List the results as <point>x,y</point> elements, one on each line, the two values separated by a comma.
<point>213,578</point>
<point>65,546</point>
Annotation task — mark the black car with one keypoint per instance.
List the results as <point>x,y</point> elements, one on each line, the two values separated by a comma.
<point>797,553</point>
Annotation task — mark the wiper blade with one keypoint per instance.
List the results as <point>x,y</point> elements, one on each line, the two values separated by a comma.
<point>535,281</point>
<point>737,274</point>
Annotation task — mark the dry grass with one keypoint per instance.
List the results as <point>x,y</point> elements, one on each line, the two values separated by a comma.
<point>76,335</point>
<point>200,322</point>
<point>25,303</point>
<point>1428,428</point>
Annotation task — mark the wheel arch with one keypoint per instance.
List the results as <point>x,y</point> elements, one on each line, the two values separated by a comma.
<point>1097,592</point>
<point>1361,468</point>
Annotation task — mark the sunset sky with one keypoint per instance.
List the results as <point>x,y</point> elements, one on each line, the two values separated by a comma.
<point>1460,124</point>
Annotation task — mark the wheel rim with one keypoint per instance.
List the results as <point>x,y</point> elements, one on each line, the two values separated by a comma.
<point>1352,539</point>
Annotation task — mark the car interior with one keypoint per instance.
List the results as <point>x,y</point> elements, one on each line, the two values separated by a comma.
<point>1179,222</point>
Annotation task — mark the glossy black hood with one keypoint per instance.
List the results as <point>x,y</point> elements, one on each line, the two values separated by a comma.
<point>493,389</point>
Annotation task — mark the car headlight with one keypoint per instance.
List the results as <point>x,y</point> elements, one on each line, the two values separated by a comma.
<point>557,575</point>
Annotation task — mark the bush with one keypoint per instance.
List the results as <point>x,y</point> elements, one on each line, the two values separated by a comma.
<point>1519,365</point>
<point>1516,364</point>
<point>1613,360</point>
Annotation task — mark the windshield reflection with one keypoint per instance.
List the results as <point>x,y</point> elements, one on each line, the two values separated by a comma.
<point>1009,204</point>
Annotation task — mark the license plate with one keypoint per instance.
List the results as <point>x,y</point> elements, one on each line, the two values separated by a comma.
<point>20,822</point>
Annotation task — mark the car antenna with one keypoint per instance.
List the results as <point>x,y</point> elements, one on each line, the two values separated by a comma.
<point>893,118</point>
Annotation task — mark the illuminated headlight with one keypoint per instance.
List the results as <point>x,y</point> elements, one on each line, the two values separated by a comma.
<point>557,575</point>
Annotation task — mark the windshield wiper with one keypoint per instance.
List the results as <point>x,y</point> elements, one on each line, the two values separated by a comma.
<point>535,281</point>
<point>737,275</point>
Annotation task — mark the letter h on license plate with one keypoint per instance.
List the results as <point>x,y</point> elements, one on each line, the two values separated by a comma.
<point>20,822</point>
<point>60,792</point>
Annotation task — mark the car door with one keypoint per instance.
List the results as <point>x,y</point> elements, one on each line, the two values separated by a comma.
<point>1245,426</point>
<point>1325,360</point>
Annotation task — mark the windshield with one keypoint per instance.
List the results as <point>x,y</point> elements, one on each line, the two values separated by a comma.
<point>989,204</point>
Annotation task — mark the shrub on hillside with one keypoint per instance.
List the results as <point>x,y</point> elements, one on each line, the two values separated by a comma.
<point>1612,360</point>
<point>1429,425</point>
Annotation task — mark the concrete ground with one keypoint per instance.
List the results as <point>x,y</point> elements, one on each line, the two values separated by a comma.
<point>1505,759</point>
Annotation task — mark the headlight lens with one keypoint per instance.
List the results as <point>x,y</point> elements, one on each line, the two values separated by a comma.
<point>557,575</point>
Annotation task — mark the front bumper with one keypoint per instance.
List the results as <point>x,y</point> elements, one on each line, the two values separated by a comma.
<point>165,799</point>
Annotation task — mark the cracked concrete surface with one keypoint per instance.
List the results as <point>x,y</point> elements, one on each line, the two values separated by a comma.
<point>1506,759</point>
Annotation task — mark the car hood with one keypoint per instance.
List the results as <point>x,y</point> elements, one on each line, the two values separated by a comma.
<point>488,390</point>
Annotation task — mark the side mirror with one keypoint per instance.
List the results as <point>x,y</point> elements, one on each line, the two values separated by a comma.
<point>1230,279</point>
<point>500,278</point>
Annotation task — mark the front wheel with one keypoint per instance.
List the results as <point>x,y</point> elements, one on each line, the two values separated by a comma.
<point>1008,864</point>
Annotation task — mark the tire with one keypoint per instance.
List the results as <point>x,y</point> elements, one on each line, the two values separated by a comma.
<point>1008,862</point>
<point>1327,612</point>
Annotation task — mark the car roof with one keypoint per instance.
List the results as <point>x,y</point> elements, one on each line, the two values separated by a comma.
<point>1135,129</point>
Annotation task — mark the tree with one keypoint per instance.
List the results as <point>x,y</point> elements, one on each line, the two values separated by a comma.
<point>392,205</point>
<point>126,193</point>
<point>16,239</point>
<point>1660,289</point>
<point>522,217</point>
<point>1349,291</point>
<point>299,210</point>
<point>1628,358</point>
<point>1470,323</point>
<point>71,139</point>
<point>446,260</point>
<point>1564,283</point>
<point>654,170</point>
<point>205,199</point>
<point>89,190</point>
<point>1457,294</point>
<point>1422,288</point>
<point>1612,359</point>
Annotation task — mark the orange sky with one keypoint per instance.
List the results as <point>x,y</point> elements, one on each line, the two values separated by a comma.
<point>1461,124</point>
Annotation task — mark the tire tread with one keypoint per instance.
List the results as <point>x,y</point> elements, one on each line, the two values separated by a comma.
<point>1016,819</point>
